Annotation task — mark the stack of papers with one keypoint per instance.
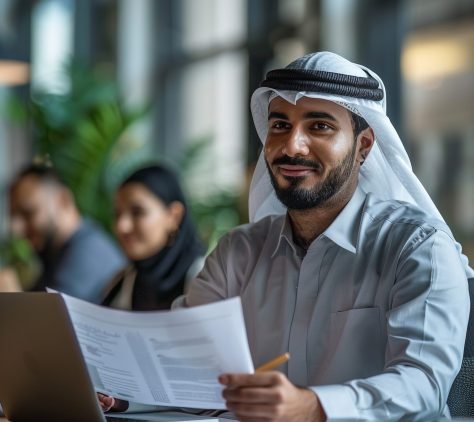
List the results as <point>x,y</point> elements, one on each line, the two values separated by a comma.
<point>165,417</point>
<point>169,358</point>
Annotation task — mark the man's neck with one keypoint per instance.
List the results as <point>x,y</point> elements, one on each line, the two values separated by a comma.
<point>308,224</point>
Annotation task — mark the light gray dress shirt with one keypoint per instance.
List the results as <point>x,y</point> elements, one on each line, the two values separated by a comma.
<point>374,314</point>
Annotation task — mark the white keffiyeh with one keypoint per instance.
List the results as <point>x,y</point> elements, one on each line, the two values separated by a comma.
<point>387,171</point>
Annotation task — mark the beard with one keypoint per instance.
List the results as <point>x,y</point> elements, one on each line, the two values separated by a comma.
<point>297,198</point>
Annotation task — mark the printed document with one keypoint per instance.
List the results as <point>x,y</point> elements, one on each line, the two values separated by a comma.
<point>170,358</point>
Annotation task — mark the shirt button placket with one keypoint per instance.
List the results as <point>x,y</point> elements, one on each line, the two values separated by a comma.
<point>306,290</point>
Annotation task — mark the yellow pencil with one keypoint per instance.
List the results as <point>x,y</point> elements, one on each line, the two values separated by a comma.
<point>274,362</point>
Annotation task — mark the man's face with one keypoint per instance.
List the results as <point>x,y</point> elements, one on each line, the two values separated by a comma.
<point>32,211</point>
<point>310,151</point>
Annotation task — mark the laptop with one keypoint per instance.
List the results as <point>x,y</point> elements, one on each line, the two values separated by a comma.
<point>43,375</point>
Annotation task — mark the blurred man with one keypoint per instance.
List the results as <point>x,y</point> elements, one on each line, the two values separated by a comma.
<point>77,257</point>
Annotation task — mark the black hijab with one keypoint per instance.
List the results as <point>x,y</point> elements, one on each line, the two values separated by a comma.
<point>161,277</point>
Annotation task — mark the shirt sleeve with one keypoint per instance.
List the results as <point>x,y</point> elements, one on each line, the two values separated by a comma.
<point>426,329</point>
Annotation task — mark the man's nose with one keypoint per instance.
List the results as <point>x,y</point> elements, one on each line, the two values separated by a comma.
<point>296,143</point>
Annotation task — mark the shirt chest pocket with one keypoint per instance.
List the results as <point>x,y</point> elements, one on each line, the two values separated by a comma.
<point>356,346</point>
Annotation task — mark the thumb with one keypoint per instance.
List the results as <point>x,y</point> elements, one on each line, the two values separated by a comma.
<point>106,402</point>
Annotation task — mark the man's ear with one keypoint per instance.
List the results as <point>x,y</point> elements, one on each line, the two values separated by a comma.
<point>65,197</point>
<point>366,140</point>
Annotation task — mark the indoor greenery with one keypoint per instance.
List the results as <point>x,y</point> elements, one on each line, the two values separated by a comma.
<point>79,132</point>
<point>82,133</point>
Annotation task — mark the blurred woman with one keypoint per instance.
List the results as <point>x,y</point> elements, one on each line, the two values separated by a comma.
<point>154,229</point>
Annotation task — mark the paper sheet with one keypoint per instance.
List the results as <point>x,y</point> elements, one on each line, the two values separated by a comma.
<point>170,358</point>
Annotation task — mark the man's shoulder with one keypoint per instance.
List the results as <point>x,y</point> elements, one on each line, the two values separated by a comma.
<point>254,235</point>
<point>260,229</point>
<point>402,215</point>
<point>90,232</point>
<point>90,240</point>
<point>244,246</point>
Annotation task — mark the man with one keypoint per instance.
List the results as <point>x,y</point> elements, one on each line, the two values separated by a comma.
<point>77,257</point>
<point>347,264</point>
<point>352,269</point>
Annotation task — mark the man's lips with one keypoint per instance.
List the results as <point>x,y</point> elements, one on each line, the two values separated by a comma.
<point>294,170</point>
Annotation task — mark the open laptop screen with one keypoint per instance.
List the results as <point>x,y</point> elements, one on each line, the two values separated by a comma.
<point>43,375</point>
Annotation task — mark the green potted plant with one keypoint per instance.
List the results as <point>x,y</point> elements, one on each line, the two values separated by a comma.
<point>18,267</point>
<point>79,133</point>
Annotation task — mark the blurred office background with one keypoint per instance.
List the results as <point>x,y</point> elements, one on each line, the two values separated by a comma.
<point>184,71</point>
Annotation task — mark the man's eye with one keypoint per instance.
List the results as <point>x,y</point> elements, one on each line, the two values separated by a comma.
<point>321,126</point>
<point>279,125</point>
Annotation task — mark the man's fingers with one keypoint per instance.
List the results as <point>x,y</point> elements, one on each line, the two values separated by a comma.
<point>253,411</point>
<point>253,395</point>
<point>106,402</point>
<point>264,379</point>
<point>109,403</point>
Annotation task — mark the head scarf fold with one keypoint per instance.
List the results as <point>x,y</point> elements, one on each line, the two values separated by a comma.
<point>386,172</point>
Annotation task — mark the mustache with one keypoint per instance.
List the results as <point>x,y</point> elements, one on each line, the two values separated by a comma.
<point>296,161</point>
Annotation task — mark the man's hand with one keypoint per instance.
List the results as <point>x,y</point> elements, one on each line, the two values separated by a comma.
<point>269,396</point>
<point>111,404</point>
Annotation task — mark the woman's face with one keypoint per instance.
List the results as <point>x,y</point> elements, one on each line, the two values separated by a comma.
<point>143,223</point>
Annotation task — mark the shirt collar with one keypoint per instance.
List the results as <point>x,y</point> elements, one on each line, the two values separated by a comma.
<point>285,233</point>
<point>343,230</point>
